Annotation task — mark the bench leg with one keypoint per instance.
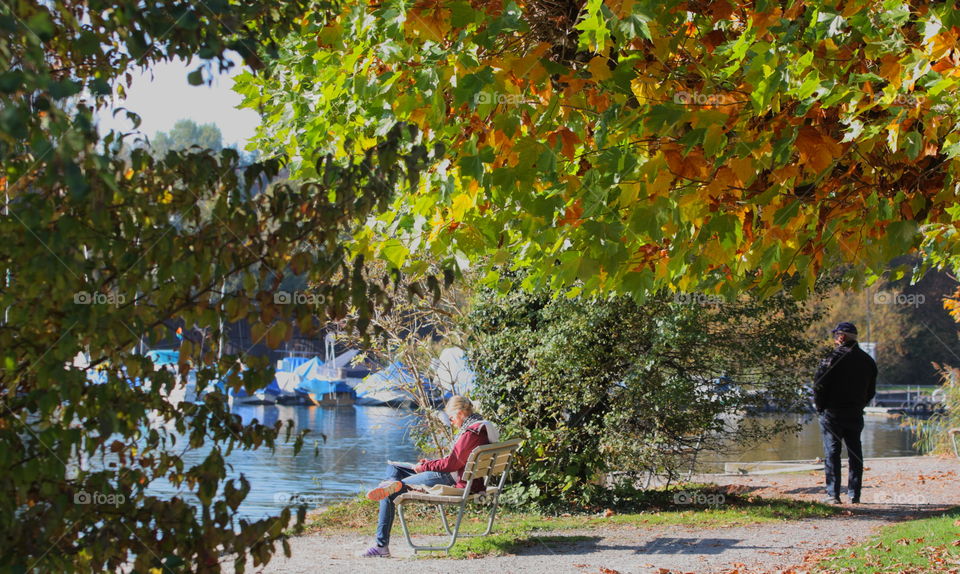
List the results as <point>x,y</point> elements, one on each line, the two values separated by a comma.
<point>443,519</point>
<point>490,519</point>
<point>453,533</point>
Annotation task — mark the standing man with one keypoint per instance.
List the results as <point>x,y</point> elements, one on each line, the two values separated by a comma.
<point>844,384</point>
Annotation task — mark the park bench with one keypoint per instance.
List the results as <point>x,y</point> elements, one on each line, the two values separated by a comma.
<point>485,463</point>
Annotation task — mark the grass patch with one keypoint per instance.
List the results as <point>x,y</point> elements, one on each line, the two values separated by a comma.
<point>914,547</point>
<point>515,529</point>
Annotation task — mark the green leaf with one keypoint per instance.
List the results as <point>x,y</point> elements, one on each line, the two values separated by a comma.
<point>913,144</point>
<point>901,236</point>
<point>786,213</point>
<point>594,33</point>
<point>395,253</point>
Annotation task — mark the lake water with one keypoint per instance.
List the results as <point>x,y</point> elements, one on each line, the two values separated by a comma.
<point>361,439</point>
<point>882,437</point>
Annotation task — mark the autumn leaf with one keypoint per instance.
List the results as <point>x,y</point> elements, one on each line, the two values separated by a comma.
<point>599,69</point>
<point>568,141</point>
<point>817,150</point>
<point>572,215</point>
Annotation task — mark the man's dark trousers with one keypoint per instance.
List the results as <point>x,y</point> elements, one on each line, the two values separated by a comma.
<point>843,425</point>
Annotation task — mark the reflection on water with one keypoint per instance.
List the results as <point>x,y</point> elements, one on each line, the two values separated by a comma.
<point>882,437</point>
<point>352,457</point>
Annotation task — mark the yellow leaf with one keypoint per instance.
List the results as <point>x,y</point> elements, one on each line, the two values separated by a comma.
<point>728,177</point>
<point>461,204</point>
<point>744,168</point>
<point>598,68</point>
<point>941,44</point>
<point>642,89</point>
<point>661,184</point>
<point>628,194</point>
<point>662,268</point>
<point>429,24</point>
<point>573,185</point>
<point>852,8</point>
<point>622,8</point>
<point>714,252</point>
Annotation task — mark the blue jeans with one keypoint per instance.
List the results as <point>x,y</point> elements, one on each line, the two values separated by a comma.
<point>842,426</point>
<point>408,478</point>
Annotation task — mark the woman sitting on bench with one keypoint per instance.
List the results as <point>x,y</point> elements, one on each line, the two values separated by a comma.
<point>448,471</point>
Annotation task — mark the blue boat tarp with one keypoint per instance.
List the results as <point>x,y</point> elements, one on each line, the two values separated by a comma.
<point>319,380</point>
<point>322,386</point>
<point>164,356</point>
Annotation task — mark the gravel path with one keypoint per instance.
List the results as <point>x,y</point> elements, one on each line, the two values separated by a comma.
<point>894,490</point>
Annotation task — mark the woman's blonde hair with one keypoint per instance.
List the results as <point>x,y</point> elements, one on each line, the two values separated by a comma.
<point>458,403</point>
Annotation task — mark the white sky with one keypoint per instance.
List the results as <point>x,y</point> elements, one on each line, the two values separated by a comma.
<point>162,95</point>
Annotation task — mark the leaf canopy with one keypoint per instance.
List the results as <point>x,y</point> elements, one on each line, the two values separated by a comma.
<point>633,145</point>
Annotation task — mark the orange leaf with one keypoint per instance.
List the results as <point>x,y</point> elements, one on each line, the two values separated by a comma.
<point>573,213</point>
<point>943,64</point>
<point>764,20</point>
<point>691,166</point>
<point>817,150</point>
<point>891,69</point>
<point>568,141</point>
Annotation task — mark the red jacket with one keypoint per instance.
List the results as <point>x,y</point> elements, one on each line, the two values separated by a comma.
<point>475,436</point>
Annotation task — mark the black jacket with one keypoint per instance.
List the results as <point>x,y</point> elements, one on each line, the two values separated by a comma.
<point>846,379</point>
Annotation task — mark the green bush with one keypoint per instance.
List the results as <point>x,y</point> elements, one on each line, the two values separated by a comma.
<point>608,390</point>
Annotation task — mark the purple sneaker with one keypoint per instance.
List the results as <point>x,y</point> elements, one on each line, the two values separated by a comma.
<point>377,552</point>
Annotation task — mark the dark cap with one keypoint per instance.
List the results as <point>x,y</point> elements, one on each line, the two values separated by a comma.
<point>845,327</point>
